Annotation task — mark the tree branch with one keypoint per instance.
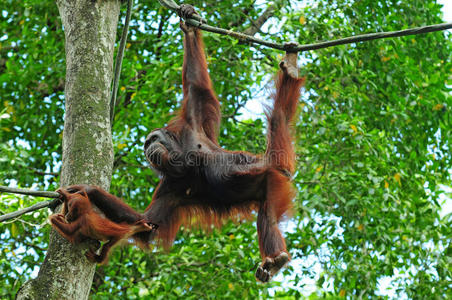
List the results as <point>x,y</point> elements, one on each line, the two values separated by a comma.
<point>118,63</point>
<point>163,20</point>
<point>300,48</point>
<point>50,203</point>
<point>256,25</point>
<point>44,89</point>
<point>39,172</point>
<point>28,192</point>
<point>243,16</point>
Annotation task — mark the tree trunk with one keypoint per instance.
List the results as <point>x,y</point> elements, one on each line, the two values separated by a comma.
<point>90,31</point>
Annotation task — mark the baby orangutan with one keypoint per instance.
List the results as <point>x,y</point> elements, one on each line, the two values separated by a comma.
<point>79,221</point>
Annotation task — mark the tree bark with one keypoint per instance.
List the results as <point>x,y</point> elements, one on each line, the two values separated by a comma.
<point>90,31</point>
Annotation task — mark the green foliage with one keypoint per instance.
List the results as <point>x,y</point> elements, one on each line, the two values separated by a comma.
<point>373,143</point>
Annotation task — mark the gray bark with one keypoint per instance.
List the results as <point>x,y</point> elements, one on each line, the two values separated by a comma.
<point>90,31</point>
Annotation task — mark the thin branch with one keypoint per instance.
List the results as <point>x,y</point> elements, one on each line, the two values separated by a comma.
<point>39,205</point>
<point>28,192</point>
<point>118,63</point>
<point>24,222</point>
<point>256,25</point>
<point>243,15</point>
<point>132,88</point>
<point>39,172</point>
<point>163,20</point>
<point>193,20</point>
<point>236,110</point>
<point>34,207</point>
<point>244,123</point>
<point>44,89</point>
<point>31,245</point>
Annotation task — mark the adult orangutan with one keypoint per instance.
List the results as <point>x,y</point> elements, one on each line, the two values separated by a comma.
<point>202,182</point>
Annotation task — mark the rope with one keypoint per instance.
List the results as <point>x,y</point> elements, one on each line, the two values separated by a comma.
<point>195,21</point>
